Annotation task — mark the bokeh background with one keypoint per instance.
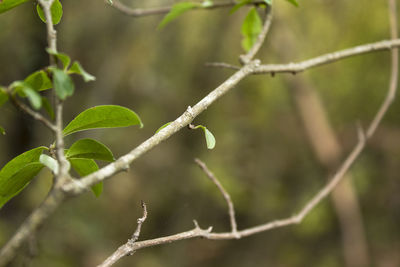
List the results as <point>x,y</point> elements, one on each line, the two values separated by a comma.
<point>263,156</point>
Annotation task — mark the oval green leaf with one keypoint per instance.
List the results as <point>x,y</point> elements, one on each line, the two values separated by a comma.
<point>2,131</point>
<point>251,28</point>
<point>63,84</point>
<point>210,139</point>
<point>56,12</point>
<point>90,149</point>
<point>107,116</point>
<point>18,172</point>
<point>85,167</point>
<point>6,5</point>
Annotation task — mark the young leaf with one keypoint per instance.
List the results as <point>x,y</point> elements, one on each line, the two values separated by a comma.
<point>108,116</point>
<point>89,149</point>
<point>50,163</point>
<point>293,2</point>
<point>6,5</point>
<point>85,167</point>
<point>63,84</point>
<point>56,12</point>
<point>77,69</point>
<point>18,172</point>
<point>251,28</point>
<point>2,131</point>
<point>177,10</point>
<point>64,58</point>
<point>268,2</point>
<point>33,97</point>
<point>210,139</point>
<point>162,127</point>
<point>3,96</point>
<point>38,81</point>
<point>239,5</point>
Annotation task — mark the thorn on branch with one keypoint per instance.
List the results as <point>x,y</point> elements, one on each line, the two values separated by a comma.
<point>140,221</point>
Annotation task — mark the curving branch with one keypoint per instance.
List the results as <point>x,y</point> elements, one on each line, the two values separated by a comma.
<point>225,194</point>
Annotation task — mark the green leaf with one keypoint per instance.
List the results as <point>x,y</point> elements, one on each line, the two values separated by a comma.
<point>90,149</point>
<point>47,106</point>
<point>18,181</point>
<point>63,84</point>
<point>177,10</point>
<point>239,5</point>
<point>18,172</point>
<point>3,96</point>
<point>2,131</point>
<point>293,2</point>
<point>108,116</point>
<point>162,127</point>
<point>39,81</point>
<point>210,139</point>
<point>56,12</point>
<point>85,167</point>
<point>6,5</point>
<point>64,58</point>
<point>251,28</point>
<point>50,163</point>
<point>77,69</point>
<point>268,2</point>
<point>34,98</point>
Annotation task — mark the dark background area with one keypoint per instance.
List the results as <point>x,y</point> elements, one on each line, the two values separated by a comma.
<point>262,155</point>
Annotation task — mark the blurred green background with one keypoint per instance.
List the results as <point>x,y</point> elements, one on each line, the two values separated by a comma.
<point>262,155</point>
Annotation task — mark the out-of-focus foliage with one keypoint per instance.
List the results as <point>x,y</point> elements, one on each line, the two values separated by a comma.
<point>262,157</point>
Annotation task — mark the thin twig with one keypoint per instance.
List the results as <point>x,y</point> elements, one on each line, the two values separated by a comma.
<point>126,249</point>
<point>140,221</point>
<point>36,115</point>
<point>231,209</point>
<point>141,12</point>
<point>260,39</point>
<point>327,58</point>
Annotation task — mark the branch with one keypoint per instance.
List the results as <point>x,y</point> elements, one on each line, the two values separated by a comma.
<point>126,249</point>
<point>36,115</point>
<point>141,12</point>
<point>327,58</point>
<point>260,39</point>
<point>231,209</point>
